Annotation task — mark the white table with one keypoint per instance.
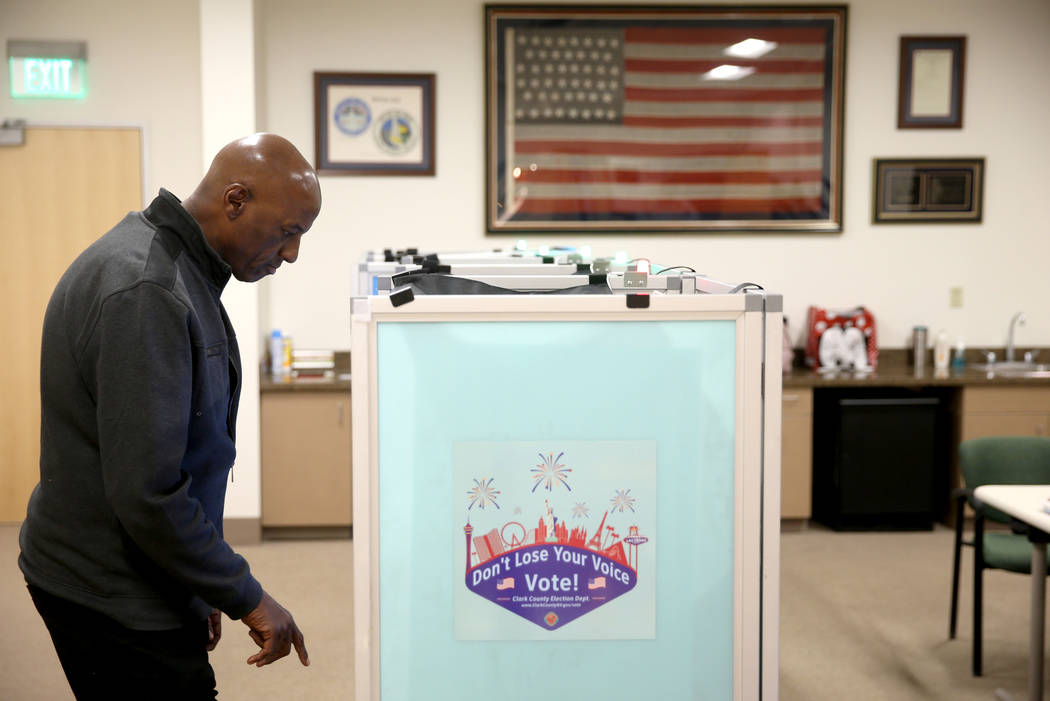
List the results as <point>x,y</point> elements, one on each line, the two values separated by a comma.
<point>1025,503</point>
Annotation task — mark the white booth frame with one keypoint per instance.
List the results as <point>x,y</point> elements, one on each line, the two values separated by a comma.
<point>758,319</point>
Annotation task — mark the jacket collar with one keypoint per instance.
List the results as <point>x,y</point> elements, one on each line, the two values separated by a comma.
<point>167,211</point>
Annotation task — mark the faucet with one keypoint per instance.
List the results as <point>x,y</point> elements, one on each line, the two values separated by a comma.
<point>1018,318</point>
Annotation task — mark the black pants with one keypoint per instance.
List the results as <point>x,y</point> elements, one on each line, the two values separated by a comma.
<point>104,660</point>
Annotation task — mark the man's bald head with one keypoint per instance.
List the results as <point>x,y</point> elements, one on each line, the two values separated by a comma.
<point>255,202</point>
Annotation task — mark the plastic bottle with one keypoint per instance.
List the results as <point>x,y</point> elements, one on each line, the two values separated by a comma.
<point>286,357</point>
<point>940,352</point>
<point>959,357</point>
<point>276,352</point>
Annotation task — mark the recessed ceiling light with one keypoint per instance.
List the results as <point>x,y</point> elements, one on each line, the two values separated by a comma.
<point>750,48</point>
<point>728,72</point>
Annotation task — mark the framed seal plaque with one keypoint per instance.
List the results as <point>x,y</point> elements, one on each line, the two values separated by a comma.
<point>374,123</point>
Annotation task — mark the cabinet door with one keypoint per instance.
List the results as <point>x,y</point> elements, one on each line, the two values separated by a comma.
<point>1007,424</point>
<point>1002,411</point>
<point>1005,411</point>
<point>306,459</point>
<point>796,493</point>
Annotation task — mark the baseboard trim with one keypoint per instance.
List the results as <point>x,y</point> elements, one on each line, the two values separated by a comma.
<point>793,525</point>
<point>307,532</point>
<point>242,531</point>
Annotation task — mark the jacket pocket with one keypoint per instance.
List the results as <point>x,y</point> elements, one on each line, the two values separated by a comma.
<point>217,379</point>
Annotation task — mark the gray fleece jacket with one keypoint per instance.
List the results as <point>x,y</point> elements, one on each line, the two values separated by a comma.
<point>139,384</point>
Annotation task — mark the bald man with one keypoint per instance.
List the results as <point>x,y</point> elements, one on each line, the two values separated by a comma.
<point>122,546</point>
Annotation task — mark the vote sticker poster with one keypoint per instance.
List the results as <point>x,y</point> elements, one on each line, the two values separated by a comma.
<point>555,540</point>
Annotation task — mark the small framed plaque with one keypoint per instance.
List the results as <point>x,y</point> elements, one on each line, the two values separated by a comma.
<point>928,190</point>
<point>374,123</point>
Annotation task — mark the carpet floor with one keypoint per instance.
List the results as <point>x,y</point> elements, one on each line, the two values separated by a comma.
<point>863,616</point>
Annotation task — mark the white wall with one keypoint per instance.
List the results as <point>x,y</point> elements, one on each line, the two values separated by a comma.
<point>144,61</point>
<point>902,272</point>
<point>227,41</point>
<point>143,70</point>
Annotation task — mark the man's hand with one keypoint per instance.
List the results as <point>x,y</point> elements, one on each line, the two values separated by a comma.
<point>273,629</point>
<point>214,628</point>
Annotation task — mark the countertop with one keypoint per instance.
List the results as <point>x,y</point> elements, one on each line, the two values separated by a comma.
<point>799,377</point>
<point>896,370</point>
<point>337,382</point>
<point>892,373</point>
<point>905,376</point>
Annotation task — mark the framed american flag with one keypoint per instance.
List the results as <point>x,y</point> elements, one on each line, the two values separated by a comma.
<point>664,118</point>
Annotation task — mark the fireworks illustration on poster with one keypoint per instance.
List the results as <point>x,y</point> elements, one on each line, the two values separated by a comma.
<point>555,541</point>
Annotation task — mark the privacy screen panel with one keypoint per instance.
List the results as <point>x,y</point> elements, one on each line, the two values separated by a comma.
<point>556,509</point>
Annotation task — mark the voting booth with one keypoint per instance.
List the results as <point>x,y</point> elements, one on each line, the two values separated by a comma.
<point>564,496</point>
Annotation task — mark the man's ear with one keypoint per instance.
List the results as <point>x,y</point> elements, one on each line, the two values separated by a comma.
<point>234,198</point>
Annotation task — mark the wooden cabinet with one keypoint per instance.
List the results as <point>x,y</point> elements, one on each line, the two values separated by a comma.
<point>1002,411</point>
<point>306,471</point>
<point>1005,411</point>
<point>796,471</point>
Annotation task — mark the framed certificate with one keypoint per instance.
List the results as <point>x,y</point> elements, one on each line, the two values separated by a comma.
<point>931,82</point>
<point>374,123</point>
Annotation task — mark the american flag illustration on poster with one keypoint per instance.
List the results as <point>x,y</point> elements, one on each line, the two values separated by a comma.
<point>664,119</point>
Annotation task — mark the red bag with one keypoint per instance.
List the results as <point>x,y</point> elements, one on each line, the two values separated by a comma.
<point>843,339</point>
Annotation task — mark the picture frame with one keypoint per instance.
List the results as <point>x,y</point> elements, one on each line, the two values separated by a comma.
<point>929,190</point>
<point>932,79</point>
<point>374,123</point>
<point>687,119</point>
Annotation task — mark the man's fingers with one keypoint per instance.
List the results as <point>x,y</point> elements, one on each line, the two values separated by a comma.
<point>258,639</point>
<point>272,650</point>
<point>300,647</point>
<point>214,623</point>
<point>261,657</point>
<point>214,630</point>
<point>266,649</point>
<point>272,628</point>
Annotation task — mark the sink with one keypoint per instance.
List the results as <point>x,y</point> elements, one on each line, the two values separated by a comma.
<point>1009,365</point>
<point>1034,373</point>
<point>1015,368</point>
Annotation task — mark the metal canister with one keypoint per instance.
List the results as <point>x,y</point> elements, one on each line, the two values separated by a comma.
<point>918,348</point>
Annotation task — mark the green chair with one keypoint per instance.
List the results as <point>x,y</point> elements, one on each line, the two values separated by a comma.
<point>995,460</point>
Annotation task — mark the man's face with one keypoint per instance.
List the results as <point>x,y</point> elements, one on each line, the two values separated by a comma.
<point>267,234</point>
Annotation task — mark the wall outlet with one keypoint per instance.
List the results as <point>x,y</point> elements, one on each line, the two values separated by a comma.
<point>955,297</point>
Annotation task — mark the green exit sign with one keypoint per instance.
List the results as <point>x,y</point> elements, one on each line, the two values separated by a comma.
<point>47,69</point>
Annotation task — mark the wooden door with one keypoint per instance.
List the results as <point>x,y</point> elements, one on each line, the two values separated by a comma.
<point>59,191</point>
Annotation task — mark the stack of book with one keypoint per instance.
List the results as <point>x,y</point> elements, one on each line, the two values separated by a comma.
<point>307,363</point>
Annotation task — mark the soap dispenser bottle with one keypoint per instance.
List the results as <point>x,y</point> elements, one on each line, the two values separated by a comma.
<point>940,352</point>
